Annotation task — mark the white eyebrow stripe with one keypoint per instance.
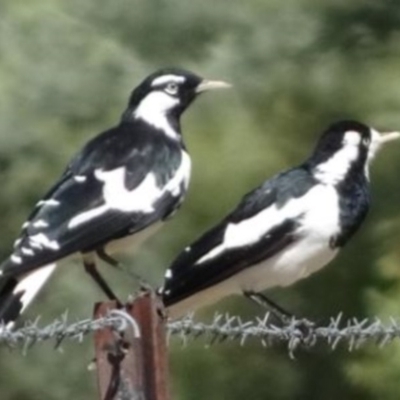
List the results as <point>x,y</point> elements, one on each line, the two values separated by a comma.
<point>167,78</point>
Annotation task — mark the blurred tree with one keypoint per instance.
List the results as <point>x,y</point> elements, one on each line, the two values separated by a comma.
<point>65,73</point>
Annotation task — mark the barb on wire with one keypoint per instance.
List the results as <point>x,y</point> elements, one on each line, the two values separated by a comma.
<point>352,332</point>
<point>61,329</point>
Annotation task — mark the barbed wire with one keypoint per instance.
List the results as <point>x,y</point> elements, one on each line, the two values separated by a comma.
<point>295,333</point>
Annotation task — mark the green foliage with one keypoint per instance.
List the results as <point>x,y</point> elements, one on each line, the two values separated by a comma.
<point>66,70</point>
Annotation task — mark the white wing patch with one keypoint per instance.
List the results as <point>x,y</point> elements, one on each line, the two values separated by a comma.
<point>80,178</point>
<point>27,252</point>
<point>142,199</point>
<point>153,109</point>
<point>42,240</point>
<point>40,224</point>
<point>87,216</point>
<point>16,259</point>
<point>117,196</point>
<point>319,208</point>
<point>36,245</point>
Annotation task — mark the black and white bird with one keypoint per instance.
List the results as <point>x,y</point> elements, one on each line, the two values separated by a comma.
<point>286,229</point>
<point>114,193</point>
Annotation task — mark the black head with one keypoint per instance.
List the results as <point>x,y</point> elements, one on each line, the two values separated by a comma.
<point>169,92</point>
<point>348,144</point>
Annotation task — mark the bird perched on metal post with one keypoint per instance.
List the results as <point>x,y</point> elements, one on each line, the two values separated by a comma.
<point>286,229</point>
<point>115,192</point>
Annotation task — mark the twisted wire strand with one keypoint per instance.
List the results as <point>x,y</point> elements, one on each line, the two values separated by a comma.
<point>296,333</point>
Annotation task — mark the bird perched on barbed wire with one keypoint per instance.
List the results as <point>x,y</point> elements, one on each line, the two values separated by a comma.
<point>286,229</point>
<point>115,192</point>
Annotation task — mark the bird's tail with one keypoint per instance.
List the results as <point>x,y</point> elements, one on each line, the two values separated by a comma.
<point>16,293</point>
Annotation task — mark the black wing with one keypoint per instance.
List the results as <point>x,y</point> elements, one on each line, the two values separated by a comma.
<point>76,216</point>
<point>202,265</point>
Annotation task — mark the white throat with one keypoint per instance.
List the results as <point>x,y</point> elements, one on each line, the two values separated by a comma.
<point>376,144</point>
<point>374,147</point>
<point>154,108</point>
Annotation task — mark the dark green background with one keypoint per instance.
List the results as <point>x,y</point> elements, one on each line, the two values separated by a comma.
<point>66,70</point>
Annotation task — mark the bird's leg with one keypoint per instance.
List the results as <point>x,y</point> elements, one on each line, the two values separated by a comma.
<point>90,268</point>
<point>144,285</point>
<point>304,325</point>
<point>265,302</point>
<point>108,259</point>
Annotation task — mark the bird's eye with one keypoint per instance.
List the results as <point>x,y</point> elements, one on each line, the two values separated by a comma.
<point>172,88</point>
<point>366,141</point>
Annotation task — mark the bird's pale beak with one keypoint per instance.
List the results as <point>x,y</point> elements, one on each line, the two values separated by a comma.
<point>386,137</point>
<point>211,85</point>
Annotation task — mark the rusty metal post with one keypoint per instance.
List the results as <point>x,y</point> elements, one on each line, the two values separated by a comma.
<point>145,310</point>
<point>131,368</point>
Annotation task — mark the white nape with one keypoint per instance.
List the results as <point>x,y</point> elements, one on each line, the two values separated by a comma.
<point>336,167</point>
<point>153,109</point>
